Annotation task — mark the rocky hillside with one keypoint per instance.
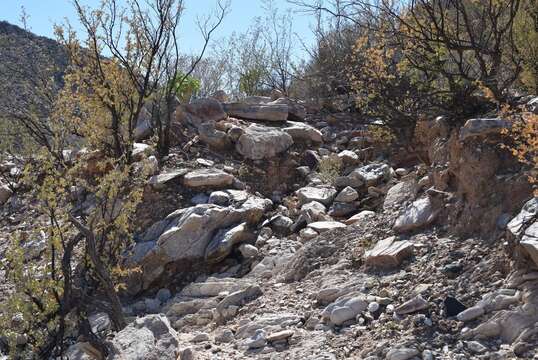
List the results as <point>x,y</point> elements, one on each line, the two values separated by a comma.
<point>275,232</point>
<point>26,60</point>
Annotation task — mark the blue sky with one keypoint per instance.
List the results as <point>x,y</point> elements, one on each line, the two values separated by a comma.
<point>44,13</point>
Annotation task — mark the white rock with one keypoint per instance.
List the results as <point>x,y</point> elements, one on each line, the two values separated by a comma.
<point>420,213</point>
<point>401,353</point>
<point>372,174</point>
<point>160,180</point>
<point>348,194</point>
<point>261,142</point>
<point>207,177</point>
<point>301,131</point>
<point>401,172</point>
<point>324,195</point>
<point>471,313</point>
<point>308,233</point>
<point>359,217</point>
<point>147,338</point>
<point>248,251</point>
<point>322,226</point>
<point>399,193</point>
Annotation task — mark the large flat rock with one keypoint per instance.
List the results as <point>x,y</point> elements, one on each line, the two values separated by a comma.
<point>259,112</point>
<point>261,142</point>
<point>208,177</point>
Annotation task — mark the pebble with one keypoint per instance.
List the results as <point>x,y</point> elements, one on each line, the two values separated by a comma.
<point>373,307</point>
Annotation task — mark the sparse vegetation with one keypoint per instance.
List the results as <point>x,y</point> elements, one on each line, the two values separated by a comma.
<point>330,167</point>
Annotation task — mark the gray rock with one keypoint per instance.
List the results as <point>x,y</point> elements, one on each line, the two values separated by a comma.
<point>296,111</point>
<point>184,235</point>
<point>420,213</point>
<point>401,353</point>
<point>200,337</point>
<point>153,306</point>
<point>159,181</point>
<point>324,195</point>
<point>141,151</point>
<point>207,177</point>
<point>216,139</point>
<point>302,132</point>
<point>261,112</point>
<point>341,209</point>
<point>224,241</point>
<point>280,224</point>
<point>400,193</point>
<point>348,194</point>
<point>344,309</point>
<point>359,217</point>
<point>471,313</point>
<point>308,233</point>
<point>262,142</point>
<point>199,199</point>
<point>248,251</point>
<point>235,299</point>
<point>224,336</point>
<point>257,340</point>
<point>529,242</point>
<point>349,157</point>
<point>200,111</point>
<point>322,226</point>
<point>99,322</point>
<point>163,295</point>
<point>147,338</point>
<point>483,127</point>
<point>372,174</point>
<point>314,210</point>
<point>528,213</point>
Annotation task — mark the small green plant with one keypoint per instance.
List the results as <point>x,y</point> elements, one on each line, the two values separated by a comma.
<point>185,87</point>
<point>330,167</point>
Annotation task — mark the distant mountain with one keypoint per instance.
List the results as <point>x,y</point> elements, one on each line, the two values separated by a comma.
<point>24,59</point>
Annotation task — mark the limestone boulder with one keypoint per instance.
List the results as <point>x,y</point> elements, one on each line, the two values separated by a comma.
<point>322,226</point>
<point>418,214</point>
<point>482,127</point>
<point>216,139</point>
<point>147,338</point>
<point>183,237</point>
<point>200,111</point>
<point>159,181</point>
<point>359,217</point>
<point>303,132</point>
<point>321,194</point>
<point>345,308</point>
<point>261,142</point>
<point>296,111</point>
<point>400,193</point>
<point>260,112</point>
<point>209,177</point>
<point>224,241</point>
<point>372,174</point>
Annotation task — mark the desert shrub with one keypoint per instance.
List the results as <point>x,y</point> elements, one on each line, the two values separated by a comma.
<point>185,86</point>
<point>330,167</point>
<point>523,142</point>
